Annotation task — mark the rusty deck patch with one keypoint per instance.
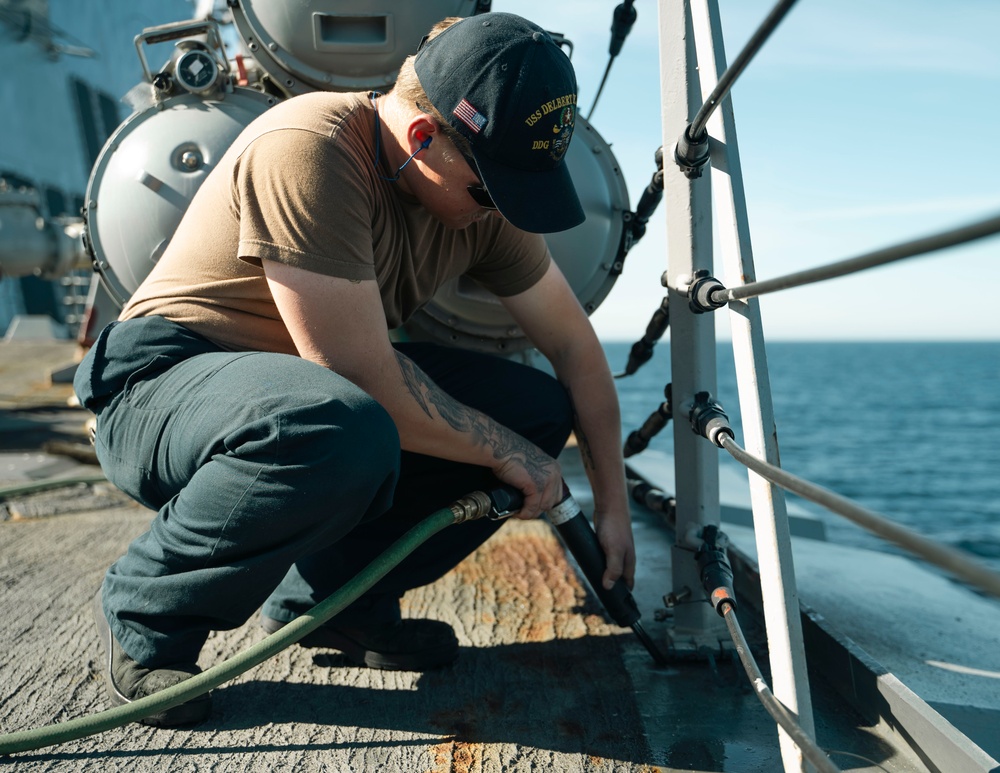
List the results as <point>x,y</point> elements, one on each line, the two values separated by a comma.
<point>545,670</point>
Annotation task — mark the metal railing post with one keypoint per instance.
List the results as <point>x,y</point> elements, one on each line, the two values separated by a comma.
<point>688,205</point>
<point>774,553</point>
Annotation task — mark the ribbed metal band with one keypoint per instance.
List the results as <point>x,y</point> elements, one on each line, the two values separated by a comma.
<point>563,512</point>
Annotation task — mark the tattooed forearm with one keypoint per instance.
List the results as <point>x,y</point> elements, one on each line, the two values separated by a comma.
<point>415,380</point>
<point>504,444</point>
<point>426,393</point>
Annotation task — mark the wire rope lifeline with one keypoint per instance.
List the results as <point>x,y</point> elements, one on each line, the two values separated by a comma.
<point>778,711</point>
<point>717,580</point>
<point>717,296</point>
<point>725,84</point>
<point>691,151</point>
<point>954,561</point>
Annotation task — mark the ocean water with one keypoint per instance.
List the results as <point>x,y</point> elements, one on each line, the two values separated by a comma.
<point>909,430</point>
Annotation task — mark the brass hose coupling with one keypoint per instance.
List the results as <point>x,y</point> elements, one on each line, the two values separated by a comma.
<point>472,506</point>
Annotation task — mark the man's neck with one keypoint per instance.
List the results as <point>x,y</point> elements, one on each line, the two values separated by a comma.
<point>392,124</point>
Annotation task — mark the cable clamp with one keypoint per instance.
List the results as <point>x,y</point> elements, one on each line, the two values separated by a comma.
<point>708,419</point>
<point>700,291</point>
<point>691,155</point>
<point>716,573</point>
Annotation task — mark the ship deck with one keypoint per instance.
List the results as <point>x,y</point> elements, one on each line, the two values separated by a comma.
<point>543,682</point>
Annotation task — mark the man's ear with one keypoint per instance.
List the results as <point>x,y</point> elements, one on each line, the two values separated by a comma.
<point>422,131</point>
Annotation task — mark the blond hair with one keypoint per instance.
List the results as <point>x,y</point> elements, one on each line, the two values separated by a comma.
<point>408,90</point>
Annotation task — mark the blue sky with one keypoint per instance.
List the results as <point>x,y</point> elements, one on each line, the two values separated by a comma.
<point>860,124</point>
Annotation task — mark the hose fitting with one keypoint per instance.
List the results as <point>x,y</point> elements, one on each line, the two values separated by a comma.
<point>652,498</point>
<point>472,506</point>
<point>648,201</point>
<point>639,439</point>
<point>642,350</point>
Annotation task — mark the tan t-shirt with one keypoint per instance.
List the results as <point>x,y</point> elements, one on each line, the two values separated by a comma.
<point>299,186</point>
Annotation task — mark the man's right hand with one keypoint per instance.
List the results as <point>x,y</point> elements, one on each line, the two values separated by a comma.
<point>532,472</point>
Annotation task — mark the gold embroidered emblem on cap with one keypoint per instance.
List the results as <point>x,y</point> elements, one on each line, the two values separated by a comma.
<point>547,107</point>
<point>562,130</point>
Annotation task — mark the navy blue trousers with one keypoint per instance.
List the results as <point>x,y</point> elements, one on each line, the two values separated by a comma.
<point>276,480</point>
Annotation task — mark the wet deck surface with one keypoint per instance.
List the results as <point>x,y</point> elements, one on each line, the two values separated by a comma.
<point>543,683</point>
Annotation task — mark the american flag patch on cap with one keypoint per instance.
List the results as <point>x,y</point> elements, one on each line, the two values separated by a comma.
<point>471,117</point>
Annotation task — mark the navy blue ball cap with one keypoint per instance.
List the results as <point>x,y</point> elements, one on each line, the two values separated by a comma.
<point>506,86</point>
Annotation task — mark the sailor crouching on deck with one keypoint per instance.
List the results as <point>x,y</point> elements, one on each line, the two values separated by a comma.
<point>250,394</point>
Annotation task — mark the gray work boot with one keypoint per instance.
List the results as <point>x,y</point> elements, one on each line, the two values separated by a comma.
<point>127,681</point>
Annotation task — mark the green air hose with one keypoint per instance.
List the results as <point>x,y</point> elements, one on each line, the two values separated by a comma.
<point>26,740</point>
